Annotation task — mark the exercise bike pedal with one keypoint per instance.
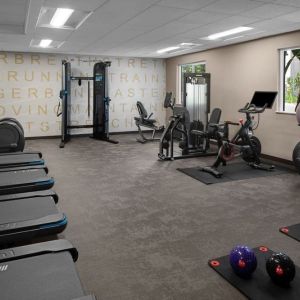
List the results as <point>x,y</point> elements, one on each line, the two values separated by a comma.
<point>262,167</point>
<point>212,171</point>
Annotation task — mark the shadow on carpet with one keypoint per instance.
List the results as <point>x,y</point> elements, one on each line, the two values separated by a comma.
<point>232,172</point>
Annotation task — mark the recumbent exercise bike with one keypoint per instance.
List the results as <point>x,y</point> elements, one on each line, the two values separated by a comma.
<point>144,120</point>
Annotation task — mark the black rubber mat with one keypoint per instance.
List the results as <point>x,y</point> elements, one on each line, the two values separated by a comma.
<point>259,286</point>
<point>292,231</point>
<point>232,172</point>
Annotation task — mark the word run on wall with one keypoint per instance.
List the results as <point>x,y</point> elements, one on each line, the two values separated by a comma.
<point>30,85</point>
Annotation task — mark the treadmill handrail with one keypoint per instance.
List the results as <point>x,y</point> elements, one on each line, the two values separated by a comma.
<point>22,167</point>
<point>8,228</point>
<point>55,246</point>
<point>44,193</point>
<point>23,153</point>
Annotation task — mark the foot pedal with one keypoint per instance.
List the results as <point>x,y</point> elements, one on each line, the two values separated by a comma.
<point>212,171</point>
<point>262,166</point>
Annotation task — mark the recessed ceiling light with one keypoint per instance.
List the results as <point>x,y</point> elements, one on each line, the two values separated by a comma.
<point>234,38</point>
<point>228,32</point>
<point>61,16</point>
<point>187,44</point>
<point>167,49</point>
<point>45,43</point>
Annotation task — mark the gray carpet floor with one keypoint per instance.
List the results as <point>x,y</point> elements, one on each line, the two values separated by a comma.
<point>146,231</point>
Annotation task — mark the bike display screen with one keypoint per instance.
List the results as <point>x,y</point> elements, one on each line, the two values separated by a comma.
<point>260,99</point>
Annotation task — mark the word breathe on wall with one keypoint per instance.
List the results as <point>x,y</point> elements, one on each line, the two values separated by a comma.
<point>30,85</point>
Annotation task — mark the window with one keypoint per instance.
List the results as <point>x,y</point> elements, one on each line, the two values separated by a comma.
<point>289,79</point>
<point>198,67</point>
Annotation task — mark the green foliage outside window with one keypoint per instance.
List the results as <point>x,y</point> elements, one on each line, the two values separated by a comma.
<point>292,84</point>
<point>193,68</point>
<point>199,68</point>
<point>292,88</point>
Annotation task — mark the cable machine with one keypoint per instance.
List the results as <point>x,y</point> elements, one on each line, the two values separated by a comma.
<point>100,102</point>
<point>196,97</point>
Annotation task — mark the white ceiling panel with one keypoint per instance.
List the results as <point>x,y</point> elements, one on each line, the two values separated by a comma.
<point>186,4</point>
<point>86,5</point>
<point>157,16</point>
<point>201,17</point>
<point>141,27</point>
<point>273,25</point>
<point>164,32</point>
<point>232,6</point>
<point>292,17</point>
<point>270,10</point>
<point>288,2</point>
<point>13,12</point>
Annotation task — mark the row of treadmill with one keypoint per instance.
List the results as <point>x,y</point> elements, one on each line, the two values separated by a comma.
<point>31,269</point>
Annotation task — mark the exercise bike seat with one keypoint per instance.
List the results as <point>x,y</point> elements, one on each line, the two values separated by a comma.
<point>144,118</point>
<point>212,125</point>
<point>198,133</point>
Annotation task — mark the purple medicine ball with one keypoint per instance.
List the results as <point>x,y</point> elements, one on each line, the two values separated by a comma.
<point>243,261</point>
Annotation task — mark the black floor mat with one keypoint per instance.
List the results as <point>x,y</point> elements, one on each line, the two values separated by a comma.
<point>232,172</point>
<point>292,231</point>
<point>259,286</point>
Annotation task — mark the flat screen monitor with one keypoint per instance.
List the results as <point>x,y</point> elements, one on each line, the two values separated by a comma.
<point>261,98</point>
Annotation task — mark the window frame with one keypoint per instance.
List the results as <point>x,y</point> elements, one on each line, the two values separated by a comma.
<point>179,79</point>
<point>281,104</point>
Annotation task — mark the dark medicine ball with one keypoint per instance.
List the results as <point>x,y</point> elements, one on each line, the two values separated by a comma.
<point>281,268</point>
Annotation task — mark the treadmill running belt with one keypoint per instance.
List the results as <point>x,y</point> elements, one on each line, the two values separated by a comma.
<point>29,158</point>
<point>26,209</point>
<point>21,177</point>
<point>45,277</point>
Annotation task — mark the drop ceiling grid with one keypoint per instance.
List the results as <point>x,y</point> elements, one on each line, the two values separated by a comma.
<point>141,27</point>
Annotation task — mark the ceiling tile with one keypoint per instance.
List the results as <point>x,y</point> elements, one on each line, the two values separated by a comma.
<point>86,5</point>
<point>202,17</point>
<point>13,12</point>
<point>292,17</point>
<point>186,4</point>
<point>141,27</point>
<point>156,16</point>
<point>232,6</point>
<point>270,10</point>
<point>288,2</point>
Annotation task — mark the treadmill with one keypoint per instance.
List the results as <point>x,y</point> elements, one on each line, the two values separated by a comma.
<point>24,179</point>
<point>17,159</point>
<point>41,271</point>
<point>25,219</point>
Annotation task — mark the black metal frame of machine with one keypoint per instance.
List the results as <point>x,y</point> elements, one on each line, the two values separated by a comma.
<point>179,127</point>
<point>100,102</point>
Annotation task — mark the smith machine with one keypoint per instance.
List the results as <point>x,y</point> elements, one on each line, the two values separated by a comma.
<point>100,102</point>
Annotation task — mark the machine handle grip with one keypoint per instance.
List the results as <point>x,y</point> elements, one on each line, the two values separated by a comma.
<point>232,123</point>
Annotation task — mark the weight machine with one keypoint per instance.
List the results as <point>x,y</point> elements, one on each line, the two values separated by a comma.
<point>100,102</point>
<point>189,124</point>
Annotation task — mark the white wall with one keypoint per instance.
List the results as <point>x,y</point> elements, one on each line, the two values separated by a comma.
<point>30,85</point>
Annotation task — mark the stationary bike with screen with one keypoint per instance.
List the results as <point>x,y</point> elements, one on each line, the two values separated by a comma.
<point>243,144</point>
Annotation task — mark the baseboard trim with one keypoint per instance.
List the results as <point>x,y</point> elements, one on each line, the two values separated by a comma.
<point>277,159</point>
